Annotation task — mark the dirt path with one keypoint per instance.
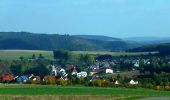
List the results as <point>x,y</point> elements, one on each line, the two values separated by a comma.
<point>155,98</point>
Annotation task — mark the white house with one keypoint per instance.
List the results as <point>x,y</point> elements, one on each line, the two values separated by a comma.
<point>62,71</point>
<point>136,64</point>
<point>116,82</point>
<point>82,74</point>
<point>109,71</point>
<point>53,70</point>
<point>92,73</point>
<point>31,76</point>
<point>132,82</point>
<point>57,70</point>
<point>169,62</point>
<point>74,72</point>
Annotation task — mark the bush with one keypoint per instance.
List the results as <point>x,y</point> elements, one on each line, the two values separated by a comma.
<point>129,86</point>
<point>49,80</point>
<point>62,82</point>
<point>158,87</point>
<point>148,85</point>
<point>167,88</point>
<point>35,82</point>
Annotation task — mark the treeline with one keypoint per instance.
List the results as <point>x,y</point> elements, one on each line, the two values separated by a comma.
<point>37,65</point>
<point>64,57</point>
<point>163,49</point>
<point>25,66</point>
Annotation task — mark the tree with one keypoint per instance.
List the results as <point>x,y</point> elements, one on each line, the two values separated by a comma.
<point>33,56</point>
<point>61,55</point>
<point>40,71</point>
<point>16,69</point>
<point>86,59</point>
<point>21,58</point>
<point>41,56</point>
<point>104,57</point>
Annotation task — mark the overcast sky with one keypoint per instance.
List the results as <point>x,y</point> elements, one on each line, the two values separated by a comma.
<point>116,18</point>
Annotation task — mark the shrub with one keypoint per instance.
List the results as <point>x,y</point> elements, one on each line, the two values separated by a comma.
<point>35,82</point>
<point>49,80</point>
<point>148,85</point>
<point>62,82</point>
<point>167,88</point>
<point>158,87</point>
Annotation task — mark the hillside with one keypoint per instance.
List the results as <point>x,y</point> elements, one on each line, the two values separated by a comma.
<point>149,40</point>
<point>30,41</point>
<point>98,37</point>
<point>163,48</point>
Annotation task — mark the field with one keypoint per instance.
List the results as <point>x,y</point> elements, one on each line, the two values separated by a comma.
<point>76,93</point>
<point>15,54</point>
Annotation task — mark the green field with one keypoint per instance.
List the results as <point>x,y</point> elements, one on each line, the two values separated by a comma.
<point>53,90</point>
<point>15,54</point>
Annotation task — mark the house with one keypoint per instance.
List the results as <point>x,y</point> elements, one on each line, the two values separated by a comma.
<point>105,70</point>
<point>63,78</point>
<point>95,77</point>
<point>146,61</point>
<point>136,64</point>
<point>74,72</point>
<point>94,67</point>
<point>93,73</point>
<point>118,71</point>
<point>36,78</point>
<point>57,71</point>
<point>109,71</point>
<point>1,78</point>
<point>169,62</point>
<point>53,70</point>
<point>31,76</point>
<point>22,79</point>
<point>113,63</point>
<point>49,78</point>
<point>117,82</point>
<point>82,74</point>
<point>106,64</point>
<point>62,72</point>
<point>132,82</point>
<point>8,78</point>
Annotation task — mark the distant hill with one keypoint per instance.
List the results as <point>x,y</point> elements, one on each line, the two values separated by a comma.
<point>163,48</point>
<point>149,40</point>
<point>30,41</point>
<point>98,37</point>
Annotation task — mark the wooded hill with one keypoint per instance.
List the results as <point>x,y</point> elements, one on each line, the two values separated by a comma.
<point>163,48</point>
<point>31,41</point>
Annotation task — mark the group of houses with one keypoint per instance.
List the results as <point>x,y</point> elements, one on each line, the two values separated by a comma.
<point>94,72</point>
<point>19,79</point>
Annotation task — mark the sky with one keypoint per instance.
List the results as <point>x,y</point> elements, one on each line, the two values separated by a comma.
<point>115,18</point>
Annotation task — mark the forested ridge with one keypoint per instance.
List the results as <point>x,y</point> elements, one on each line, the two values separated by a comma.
<point>31,41</point>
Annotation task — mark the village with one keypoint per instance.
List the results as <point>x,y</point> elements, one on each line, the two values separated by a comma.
<point>106,71</point>
<point>93,72</point>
